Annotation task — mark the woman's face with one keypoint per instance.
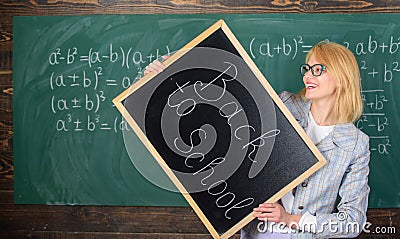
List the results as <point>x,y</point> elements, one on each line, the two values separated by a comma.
<point>319,88</point>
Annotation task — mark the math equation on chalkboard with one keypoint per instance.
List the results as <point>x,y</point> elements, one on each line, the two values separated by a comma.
<point>92,83</point>
<point>89,85</point>
<point>377,76</point>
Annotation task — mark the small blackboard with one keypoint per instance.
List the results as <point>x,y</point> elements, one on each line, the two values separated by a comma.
<point>219,131</point>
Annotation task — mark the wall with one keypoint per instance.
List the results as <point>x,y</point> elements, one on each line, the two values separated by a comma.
<point>42,221</point>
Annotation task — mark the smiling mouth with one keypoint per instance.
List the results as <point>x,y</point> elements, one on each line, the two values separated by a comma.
<point>311,86</point>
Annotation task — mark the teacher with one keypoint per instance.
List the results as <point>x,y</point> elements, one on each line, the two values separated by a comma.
<point>333,201</point>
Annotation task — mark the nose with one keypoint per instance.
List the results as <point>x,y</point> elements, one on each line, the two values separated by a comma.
<point>308,74</point>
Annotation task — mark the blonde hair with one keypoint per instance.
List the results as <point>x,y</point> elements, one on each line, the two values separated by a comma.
<point>343,67</point>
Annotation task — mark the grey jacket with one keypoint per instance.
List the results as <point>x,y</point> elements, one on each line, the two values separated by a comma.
<point>337,194</point>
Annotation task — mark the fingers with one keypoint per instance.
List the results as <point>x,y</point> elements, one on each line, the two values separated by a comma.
<point>268,211</point>
<point>263,209</point>
<point>165,57</point>
<point>156,66</point>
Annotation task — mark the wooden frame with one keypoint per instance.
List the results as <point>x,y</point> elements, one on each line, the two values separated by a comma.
<point>118,101</point>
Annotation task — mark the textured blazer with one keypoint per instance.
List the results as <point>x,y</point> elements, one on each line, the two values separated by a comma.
<point>337,194</point>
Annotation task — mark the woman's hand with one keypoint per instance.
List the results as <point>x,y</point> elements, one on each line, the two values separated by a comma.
<point>274,212</point>
<point>156,66</point>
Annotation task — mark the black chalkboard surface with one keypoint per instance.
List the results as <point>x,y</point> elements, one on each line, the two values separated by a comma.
<point>219,131</point>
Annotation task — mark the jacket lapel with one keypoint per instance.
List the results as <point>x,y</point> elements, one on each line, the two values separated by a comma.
<point>326,143</point>
<point>301,115</point>
<point>343,136</point>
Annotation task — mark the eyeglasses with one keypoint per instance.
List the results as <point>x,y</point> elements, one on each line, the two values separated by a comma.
<point>316,70</point>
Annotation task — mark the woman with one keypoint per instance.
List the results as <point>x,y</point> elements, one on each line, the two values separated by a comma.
<point>333,201</point>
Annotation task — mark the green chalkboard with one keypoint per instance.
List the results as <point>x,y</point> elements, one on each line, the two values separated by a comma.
<point>71,146</point>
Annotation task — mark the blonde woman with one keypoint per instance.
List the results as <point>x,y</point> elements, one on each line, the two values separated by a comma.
<point>333,201</point>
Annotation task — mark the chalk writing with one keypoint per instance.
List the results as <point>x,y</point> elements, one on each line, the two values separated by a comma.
<point>89,85</point>
<point>297,46</point>
<point>183,101</point>
<point>95,81</point>
<point>376,102</point>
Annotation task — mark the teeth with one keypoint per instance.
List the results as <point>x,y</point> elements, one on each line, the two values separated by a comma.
<point>311,85</point>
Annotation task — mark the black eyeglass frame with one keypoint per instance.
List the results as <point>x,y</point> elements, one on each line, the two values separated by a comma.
<point>302,66</point>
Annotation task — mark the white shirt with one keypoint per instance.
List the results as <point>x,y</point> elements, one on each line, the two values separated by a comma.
<point>317,132</point>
